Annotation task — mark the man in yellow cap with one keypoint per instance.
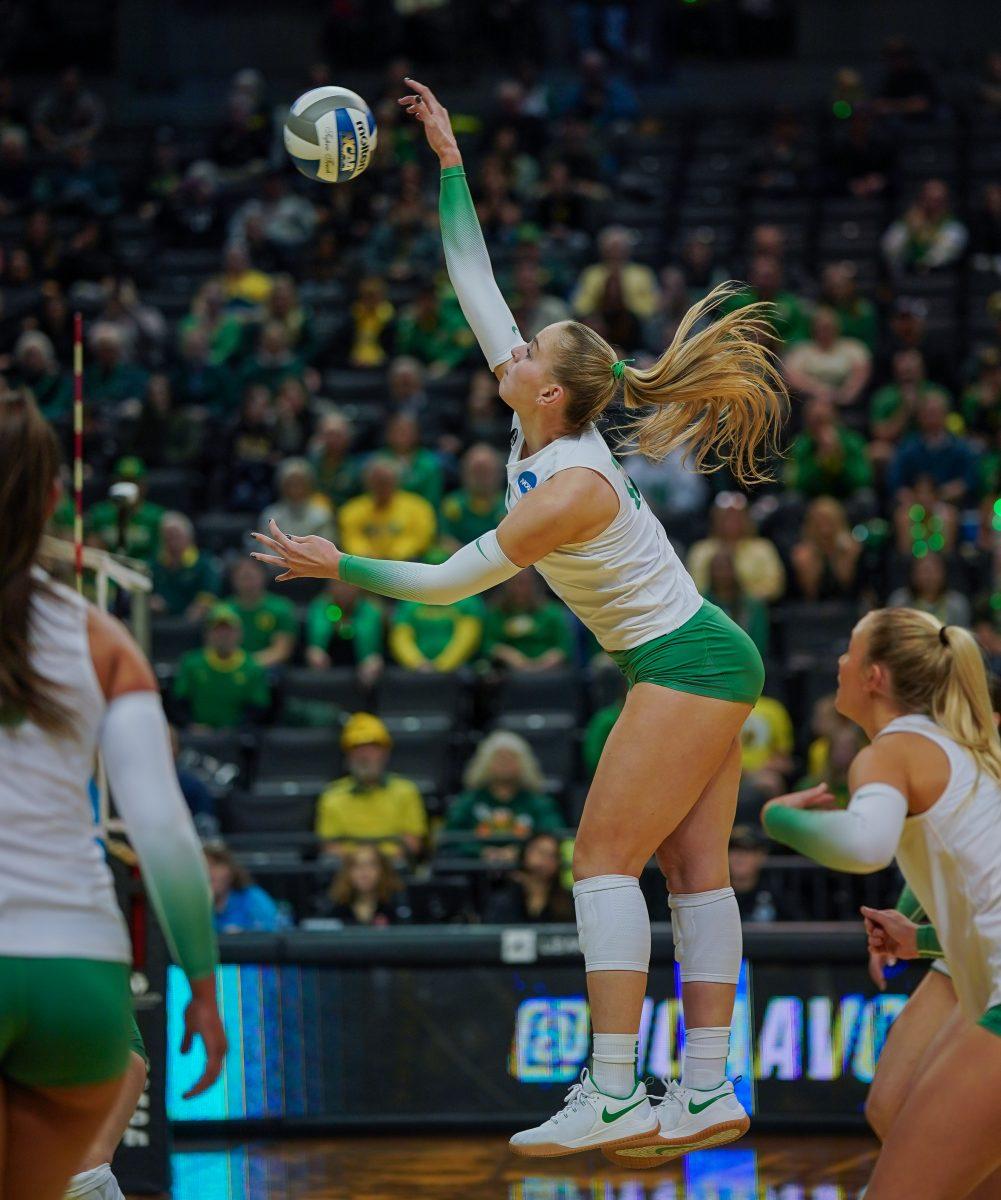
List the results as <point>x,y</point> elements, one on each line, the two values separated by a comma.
<point>370,802</point>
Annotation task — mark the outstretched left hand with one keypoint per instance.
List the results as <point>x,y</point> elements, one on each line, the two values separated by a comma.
<point>819,796</point>
<point>311,557</point>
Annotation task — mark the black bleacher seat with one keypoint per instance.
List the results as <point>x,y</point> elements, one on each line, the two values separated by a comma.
<point>298,756</point>
<point>426,758</point>
<point>171,637</point>
<point>560,690</point>
<point>413,693</point>
<point>337,687</point>
<point>605,686</point>
<point>277,810</point>
<point>434,901</point>
<point>295,885</point>
<point>812,633</point>
<point>356,386</point>
<point>170,487</point>
<point>224,532</point>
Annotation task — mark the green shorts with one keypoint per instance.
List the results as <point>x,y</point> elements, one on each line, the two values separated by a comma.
<point>991,1020</point>
<point>64,1022</point>
<point>710,655</point>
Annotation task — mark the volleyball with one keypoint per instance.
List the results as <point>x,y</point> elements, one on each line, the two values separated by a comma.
<point>330,134</point>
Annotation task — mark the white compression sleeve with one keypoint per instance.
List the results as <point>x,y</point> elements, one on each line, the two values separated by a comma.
<point>862,838</point>
<point>480,565</point>
<point>135,745</point>
<point>470,271</point>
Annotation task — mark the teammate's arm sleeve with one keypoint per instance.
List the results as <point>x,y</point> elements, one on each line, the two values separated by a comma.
<point>135,746</point>
<point>470,271</point>
<point>473,569</point>
<point>860,839</point>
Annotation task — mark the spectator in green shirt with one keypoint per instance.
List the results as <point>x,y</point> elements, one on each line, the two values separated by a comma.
<point>268,621</point>
<point>186,582</point>
<point>420,469</point>
<point>600,726</point>
<point>436,637</point>
<point>503,797</point>
<point>982,399</point>
<point>338,473</point>
<point>128,523</point>
<point>36,368</point>
<point>344,628</point>
<point>108,380</point>
<point>434,331</point>
<point>827,459</point>
<point>526,630</point>
<point>725,592</point>
<point>788,319</point>
<point>839,290</point>
<point>478,506</point>
<point>893,409</point>
<point>272,360</point>
<point>220,686</point>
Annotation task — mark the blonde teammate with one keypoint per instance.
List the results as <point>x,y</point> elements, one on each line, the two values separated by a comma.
<point>927,789</point>
<point>667,780</point>
<point>71,679</point>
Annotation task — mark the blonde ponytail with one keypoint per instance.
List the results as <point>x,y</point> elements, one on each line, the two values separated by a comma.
<point>716,393</point>
<point>938,670</point>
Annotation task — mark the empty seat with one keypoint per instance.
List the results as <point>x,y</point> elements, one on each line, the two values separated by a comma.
<point>224,532</point>
<point>266,812</point>
<point>172,637</point>
<point>298,755</point>
<point>412,693</point>
<point>424,757</point>
<point>304,688</point>
<point>170,487</point>
<point>814,633</point>
<point>557,691</point>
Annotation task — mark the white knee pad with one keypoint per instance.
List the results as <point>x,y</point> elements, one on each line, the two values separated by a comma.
<point>613,924</point>
<point>707,937</point>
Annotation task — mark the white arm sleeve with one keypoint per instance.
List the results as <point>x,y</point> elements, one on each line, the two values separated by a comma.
<point>135,745</point>
<point>480,565</point>
<point>470,271</point>
<point>860,839</point>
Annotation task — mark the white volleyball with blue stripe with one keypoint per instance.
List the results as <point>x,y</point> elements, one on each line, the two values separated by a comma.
<point>330,134</point>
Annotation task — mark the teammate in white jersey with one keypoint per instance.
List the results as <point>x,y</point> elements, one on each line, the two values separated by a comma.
<point>666,784</point>
<point>71,679</point>
<point>928,790</point>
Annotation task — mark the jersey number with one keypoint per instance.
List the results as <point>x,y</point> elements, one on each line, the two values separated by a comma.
<point>631,488</point>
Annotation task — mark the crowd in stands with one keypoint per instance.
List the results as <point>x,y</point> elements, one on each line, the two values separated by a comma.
<point>260,346</point>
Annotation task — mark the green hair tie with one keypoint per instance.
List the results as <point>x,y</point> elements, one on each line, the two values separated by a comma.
<point>620,365</point>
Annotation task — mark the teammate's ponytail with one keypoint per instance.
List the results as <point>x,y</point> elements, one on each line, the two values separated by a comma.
<point>29,464</point>
<point>716,394</point>
<point>938,670</point>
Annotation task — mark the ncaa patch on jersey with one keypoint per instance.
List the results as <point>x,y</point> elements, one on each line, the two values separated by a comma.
<point>526,481</point>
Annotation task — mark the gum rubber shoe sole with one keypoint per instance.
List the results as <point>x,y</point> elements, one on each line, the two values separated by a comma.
<point>654,1152</point>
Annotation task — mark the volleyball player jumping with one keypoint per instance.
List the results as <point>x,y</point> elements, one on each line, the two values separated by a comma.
<point>928,790</point>
<point>667,781</point>
<point>71,679</point>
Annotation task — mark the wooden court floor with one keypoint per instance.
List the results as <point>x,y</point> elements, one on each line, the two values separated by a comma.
<point>470,1167</point>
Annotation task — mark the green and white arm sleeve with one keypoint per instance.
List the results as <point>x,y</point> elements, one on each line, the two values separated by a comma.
<point>480,565</point>
<point>135,745</point>
<point>927,938</point>
<point>860,839</point>
<point>470,271</point>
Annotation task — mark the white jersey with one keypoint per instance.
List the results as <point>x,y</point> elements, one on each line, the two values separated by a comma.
<point>951,858</point>
<point>57,898</point>
<point>627,585</point>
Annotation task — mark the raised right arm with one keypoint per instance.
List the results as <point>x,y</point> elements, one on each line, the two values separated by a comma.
<point>466,256</point>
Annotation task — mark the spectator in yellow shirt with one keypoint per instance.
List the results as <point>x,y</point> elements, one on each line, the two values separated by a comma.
<point>436,637</point>
<point>369,802</point>
<point>766,745</point>
<point>386,522</point>
<point>759,568</point>
<point>638,283</point>
<point>241,281</point>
